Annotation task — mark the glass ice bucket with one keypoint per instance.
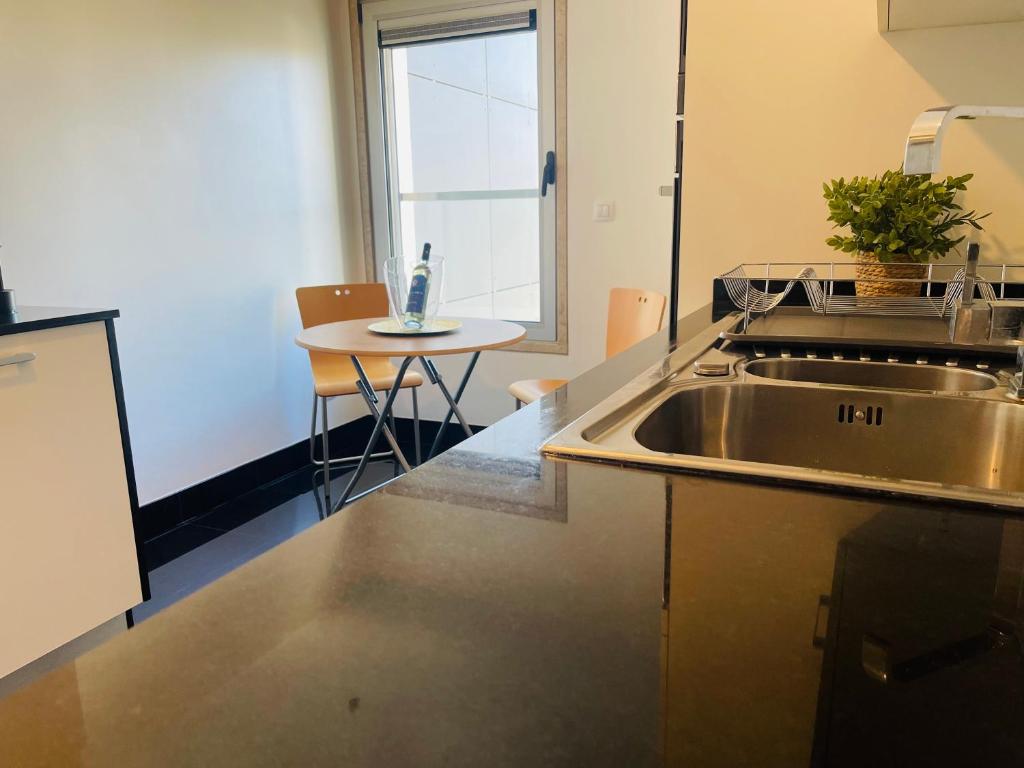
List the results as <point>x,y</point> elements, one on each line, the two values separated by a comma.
<point>398,272</point>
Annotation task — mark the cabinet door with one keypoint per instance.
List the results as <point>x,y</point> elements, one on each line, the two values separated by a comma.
<point>67,548</point>
<point>749,566</point>
<point>923,665</point>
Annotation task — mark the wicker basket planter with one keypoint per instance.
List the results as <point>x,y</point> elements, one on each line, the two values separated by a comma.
<point>883,277</point>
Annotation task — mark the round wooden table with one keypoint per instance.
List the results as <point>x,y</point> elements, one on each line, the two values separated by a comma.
<point>353,338</point>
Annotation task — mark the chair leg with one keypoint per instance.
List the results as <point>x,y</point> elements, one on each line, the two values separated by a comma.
<point>519,403</point>
<point>343,460</point>
<point>416,426</point>
<point>325,437</point>
<point>312,433</point>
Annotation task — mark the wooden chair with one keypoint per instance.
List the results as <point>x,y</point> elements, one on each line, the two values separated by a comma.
<point>633,315</point>
<point>335,375</point>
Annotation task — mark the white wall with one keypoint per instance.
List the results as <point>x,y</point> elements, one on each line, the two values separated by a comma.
<point>621,89</point>
<point>782,96</point>
<point>182,160</point>
<point>176,159</point>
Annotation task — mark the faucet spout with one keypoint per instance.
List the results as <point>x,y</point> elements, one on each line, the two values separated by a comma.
<point>924,143</point>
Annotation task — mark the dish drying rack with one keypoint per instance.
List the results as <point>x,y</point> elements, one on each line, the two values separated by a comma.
<point>815,304</point>
<point>828,287</point>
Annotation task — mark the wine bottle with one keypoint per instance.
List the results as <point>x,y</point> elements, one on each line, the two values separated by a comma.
<point>419,286</point>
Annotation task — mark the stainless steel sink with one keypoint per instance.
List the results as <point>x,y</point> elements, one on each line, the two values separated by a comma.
<point>855,373</point>
<point>878,434</point>
<point>928,431</point>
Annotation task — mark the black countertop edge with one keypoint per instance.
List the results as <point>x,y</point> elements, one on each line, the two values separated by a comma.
<point>41,318</point>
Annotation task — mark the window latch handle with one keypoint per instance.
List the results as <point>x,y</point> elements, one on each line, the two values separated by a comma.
<point>547,176</point>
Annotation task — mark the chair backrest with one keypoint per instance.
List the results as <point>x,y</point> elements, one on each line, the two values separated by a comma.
<point>319,304</point>
<point>633,315</point>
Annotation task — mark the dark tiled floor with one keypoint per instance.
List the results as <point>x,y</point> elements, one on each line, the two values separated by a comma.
<point>192,555</point>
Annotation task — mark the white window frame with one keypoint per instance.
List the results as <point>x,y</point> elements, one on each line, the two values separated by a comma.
<point>550,334</point>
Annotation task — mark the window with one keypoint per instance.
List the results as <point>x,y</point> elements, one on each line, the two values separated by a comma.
<point>461,124</point>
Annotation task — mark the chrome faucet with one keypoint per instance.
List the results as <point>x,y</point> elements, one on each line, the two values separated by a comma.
<point>995,321</point>
<point>925,140</point>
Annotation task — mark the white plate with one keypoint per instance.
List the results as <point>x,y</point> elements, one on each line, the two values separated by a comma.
<point>392,327</point>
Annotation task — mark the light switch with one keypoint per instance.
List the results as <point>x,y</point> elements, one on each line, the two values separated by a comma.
<point>604,211</point>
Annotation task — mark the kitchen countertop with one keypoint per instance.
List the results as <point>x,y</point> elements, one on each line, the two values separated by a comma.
<point>40,318</point>
<point>497,608</point>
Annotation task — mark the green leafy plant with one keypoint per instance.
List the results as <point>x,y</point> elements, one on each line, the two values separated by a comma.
<point>897,217</point>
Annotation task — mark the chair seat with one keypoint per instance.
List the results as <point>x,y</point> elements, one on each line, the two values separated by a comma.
<point>528,390</point>
<point>335,375</point>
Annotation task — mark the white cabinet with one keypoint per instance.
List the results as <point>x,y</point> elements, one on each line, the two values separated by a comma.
<point>68,558</point>
<point>894,15</point>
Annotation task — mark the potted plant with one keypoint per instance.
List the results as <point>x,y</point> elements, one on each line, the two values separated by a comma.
<point>897,224</point>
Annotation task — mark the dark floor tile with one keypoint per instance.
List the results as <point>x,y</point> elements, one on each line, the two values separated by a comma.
<point>217,552</point>
<point>283,522</point>
<point>175,543</point>
<point>160,517</point>
<point>231,515</point>
<point>236,512</point>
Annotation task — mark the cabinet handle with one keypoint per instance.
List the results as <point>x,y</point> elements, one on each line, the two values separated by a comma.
<point>22,357</point>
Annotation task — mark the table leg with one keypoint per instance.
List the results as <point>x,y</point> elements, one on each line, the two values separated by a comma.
<point>378,427</point>
<point>366,390</point>
<point>320,507</point>
<point>389,432</point>
<point>416,426</point>
<point>453,402</point>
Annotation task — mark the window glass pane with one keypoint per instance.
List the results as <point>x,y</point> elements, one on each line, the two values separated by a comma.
<point>512,139</point>
<point>459,63</point>
<point>441,132</point>
<point>460,231</point>
<point>466,159</point>
<point>522,303</point>
<point>514,233</point>
<point>506,77</point>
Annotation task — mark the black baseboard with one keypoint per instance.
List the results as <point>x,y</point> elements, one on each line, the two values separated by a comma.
<point>159,517</point>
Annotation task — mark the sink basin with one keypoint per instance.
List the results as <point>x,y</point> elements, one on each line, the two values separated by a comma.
<point>926,431</point>
<point>854,373</point>
<point>885,435</point>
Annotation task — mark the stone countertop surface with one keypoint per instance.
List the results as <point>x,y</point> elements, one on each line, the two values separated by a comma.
<point>40,318</point>
<point>497,608</point>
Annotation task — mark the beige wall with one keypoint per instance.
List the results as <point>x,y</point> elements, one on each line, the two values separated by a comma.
<point>177,159</point>
<point>782,96</point>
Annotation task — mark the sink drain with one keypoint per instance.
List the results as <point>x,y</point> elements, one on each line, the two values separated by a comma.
<point>870,416</point>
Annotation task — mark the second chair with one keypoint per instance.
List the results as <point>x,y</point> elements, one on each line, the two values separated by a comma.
<point>633,315</point>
